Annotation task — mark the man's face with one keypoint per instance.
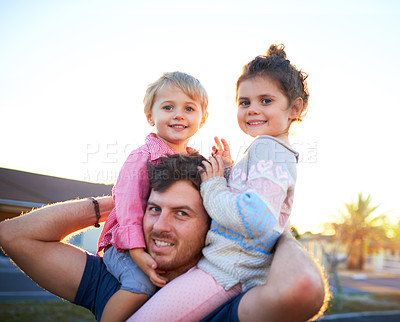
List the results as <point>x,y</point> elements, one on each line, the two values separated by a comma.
<point>175,226</point>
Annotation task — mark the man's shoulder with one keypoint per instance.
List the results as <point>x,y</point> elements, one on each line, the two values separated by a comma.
<point>96,287</point>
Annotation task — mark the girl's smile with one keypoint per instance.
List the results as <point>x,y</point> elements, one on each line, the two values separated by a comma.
<point>263,109</point>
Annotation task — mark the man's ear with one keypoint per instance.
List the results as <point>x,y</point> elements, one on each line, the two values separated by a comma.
<point>203,120</point>
<point>149,119</point>
<point>296,108</point>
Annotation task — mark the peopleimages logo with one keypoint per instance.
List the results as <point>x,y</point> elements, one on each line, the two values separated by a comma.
<point>103,160</point>
<point>107,152</point>
<point>308,151</point>
<point>101,175</point>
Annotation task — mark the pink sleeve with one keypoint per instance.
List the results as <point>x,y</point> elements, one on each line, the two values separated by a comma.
<point>131,192</point>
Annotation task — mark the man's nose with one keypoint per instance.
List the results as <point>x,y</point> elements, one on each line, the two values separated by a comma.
<point>162,223</point>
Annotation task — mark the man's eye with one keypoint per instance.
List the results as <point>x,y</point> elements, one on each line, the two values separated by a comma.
<point>182,213</point>
<point>155,209</point>
<point>266,101</point>
<point>168,108</point>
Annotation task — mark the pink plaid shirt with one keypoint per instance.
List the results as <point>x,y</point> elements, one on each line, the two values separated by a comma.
<point>123,228</point>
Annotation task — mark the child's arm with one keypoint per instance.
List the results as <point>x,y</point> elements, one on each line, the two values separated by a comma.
<point>148,265</point>
<point>130,194</point>
<point>255,211</point>
<point>283,297</point>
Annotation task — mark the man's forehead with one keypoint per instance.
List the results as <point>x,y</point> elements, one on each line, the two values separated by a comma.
<point>180,194</point>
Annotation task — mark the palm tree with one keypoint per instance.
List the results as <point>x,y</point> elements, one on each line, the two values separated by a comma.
<point>359,228</point>
<point>396,230</point>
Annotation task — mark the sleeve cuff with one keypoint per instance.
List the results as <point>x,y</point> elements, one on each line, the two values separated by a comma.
<point>129,237</point>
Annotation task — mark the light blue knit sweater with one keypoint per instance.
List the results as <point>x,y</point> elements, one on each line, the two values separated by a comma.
<point>248,213</point>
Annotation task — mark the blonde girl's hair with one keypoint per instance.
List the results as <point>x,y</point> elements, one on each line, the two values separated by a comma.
<point>190,85</point>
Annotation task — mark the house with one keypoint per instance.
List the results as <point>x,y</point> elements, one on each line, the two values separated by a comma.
<point>379,258</point>
<point>22,191</point>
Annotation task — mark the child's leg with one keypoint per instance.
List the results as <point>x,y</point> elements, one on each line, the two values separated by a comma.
<point>190,297</point>
<point>136,286</point>
<point>122,305</point>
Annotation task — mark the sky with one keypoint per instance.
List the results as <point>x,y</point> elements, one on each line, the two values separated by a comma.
<point>73,75</point>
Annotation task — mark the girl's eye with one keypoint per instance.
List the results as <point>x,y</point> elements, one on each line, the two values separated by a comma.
<point>168,108</point>
<point>189,109</point>
<point>244,103</point>
<point>266,101</point>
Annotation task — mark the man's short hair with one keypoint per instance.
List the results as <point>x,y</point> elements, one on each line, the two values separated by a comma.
<point>173,168</point>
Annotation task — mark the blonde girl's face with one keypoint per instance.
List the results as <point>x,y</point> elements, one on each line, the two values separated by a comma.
<point>263,109</point>
<point>175,116</point>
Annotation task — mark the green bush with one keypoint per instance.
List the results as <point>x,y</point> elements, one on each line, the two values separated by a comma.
<point>347,303</point>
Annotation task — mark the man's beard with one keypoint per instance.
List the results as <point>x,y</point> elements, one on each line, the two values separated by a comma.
<point>184,257</point>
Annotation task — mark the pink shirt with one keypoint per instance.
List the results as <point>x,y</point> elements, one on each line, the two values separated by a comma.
<point>123,228</point>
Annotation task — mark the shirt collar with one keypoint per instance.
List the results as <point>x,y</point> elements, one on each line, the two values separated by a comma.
<point>157,147</point>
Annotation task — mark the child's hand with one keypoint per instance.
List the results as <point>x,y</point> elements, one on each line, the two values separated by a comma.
<point>190,150</point>
<point>148,265</point>
<point>214,168</point>
<point>223,151</point>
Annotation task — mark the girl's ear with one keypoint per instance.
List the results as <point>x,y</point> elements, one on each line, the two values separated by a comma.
<point>203,120</point>
<point>296,109</point>
<point>149,119</point>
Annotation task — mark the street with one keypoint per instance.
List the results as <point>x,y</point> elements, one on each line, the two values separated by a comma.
<point>14,285</point>
<point>364,283</point>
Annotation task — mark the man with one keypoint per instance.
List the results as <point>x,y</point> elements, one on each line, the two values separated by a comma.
<point>175,226</point>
